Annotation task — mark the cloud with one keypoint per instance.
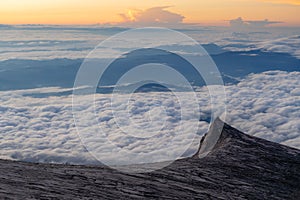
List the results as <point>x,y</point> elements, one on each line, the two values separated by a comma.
<point>42,129</point>
<point>266,105</point>
<point>151,16</point>
<point>240,23</point>
<point>76,42</point>
<point>282,45</point>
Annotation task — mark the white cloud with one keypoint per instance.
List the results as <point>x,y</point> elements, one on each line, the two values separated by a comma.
<point>282,45</point>
<point>151,16</point>
<point>76,42</point>
<point>42,129</point>
<point>266,105</point>
<point>49,42</point>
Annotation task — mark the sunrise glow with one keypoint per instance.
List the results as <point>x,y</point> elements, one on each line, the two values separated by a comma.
<point>94,11</point>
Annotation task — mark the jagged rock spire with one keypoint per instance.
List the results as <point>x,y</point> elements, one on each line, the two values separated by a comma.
<point>210,139</point>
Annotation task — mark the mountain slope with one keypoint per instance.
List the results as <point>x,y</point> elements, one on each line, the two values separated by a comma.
<point>238,167</point>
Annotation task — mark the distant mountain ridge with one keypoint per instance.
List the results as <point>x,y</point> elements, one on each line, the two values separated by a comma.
<point>233,65</point>
<point>239,166</point>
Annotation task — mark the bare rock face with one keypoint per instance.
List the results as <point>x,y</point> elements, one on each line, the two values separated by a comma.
<point>238,166</point>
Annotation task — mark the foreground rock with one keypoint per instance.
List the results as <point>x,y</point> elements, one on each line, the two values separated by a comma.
<point>238,167</point>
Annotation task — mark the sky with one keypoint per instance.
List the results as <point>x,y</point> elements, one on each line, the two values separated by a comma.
<point>205,12</point>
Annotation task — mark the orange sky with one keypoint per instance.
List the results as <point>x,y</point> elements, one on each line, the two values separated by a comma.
<point>210,12</point>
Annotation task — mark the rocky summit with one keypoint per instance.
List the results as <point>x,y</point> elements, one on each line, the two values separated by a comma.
<point>236,166</point>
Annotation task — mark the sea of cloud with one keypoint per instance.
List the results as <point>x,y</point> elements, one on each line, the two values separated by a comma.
<point>288,45</point>
<point>42,129</point>
<point>50,42</point>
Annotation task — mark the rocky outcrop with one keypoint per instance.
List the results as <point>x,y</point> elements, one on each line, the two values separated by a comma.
<point>238,166</point>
